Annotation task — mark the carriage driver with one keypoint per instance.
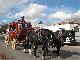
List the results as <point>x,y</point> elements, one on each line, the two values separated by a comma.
<point>23,26</point>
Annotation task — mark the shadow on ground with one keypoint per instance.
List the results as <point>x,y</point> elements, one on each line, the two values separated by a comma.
<point>63,54</point>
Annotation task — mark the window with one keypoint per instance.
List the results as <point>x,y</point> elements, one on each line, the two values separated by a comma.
<point>76,29</point>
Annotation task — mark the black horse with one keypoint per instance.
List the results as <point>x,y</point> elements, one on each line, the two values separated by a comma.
<point>49,38</point>
<point>32,41</point>
<point>35,39</point>
<point>43,37</point>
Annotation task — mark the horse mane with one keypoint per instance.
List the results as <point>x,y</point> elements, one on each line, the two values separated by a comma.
<point>50,32</point>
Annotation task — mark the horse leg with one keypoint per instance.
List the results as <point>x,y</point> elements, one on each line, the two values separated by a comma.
<point>30,51</point>
<point>35,48</point>
<point>47,50</point>
<point>34,52</point>
<point>30,48</point>
<point>25,47</point>
<point>58,49</point>
<point>43,54</point>
<point>44,49</point>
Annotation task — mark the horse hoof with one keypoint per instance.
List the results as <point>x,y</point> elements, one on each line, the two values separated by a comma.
<point>55,57</point>
<point>58,56</point>
<point>29,53</point>
<point>34,56</point>
<point>24,50</point>
<point>51,56</point>
<point>43,57</point>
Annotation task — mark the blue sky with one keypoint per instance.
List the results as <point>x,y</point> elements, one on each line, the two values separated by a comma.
<point>47,11</point>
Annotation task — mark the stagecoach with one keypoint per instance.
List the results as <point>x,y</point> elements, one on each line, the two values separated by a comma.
<point>16,32</point>
<point>21,32</point>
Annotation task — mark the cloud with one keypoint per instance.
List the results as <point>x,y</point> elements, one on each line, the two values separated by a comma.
<point>44,15</point>
<point>77,13</point>
<point>76,16</point>
<point>59,15</point>
<point>34,21</point>
<point>65,16</point>
<point>32,12</point>
<point>5,5</point>
<point>4,21</point>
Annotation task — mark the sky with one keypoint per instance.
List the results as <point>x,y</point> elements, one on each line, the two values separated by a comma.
<point>47,11</point>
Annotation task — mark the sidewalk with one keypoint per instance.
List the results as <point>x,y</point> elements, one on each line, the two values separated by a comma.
<point>72,46</point>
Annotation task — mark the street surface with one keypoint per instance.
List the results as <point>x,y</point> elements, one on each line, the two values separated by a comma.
<point>66,53</point>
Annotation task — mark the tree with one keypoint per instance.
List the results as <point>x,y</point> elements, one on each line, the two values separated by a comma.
<point>3,28</point>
